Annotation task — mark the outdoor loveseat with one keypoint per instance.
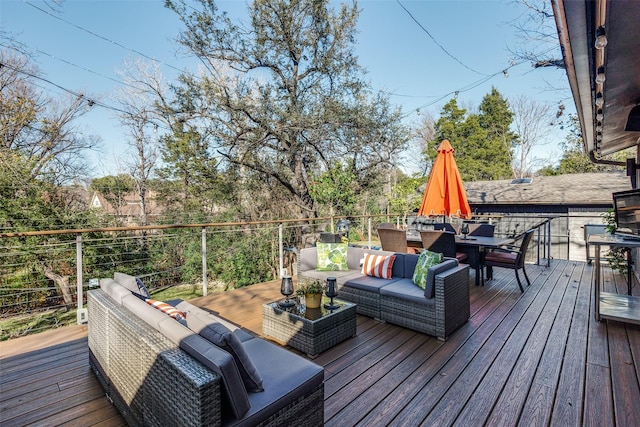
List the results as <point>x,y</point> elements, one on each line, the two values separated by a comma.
<point>438,310</point>
<point>158,371</point>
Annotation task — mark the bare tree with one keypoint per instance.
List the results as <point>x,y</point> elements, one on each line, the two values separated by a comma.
<point>532,122</point>
<point>416,154</point>
<point>40,129</point>
<point>139,115</point>
<point>538,35</point>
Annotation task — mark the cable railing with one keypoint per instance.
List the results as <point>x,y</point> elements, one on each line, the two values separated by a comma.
<point>52,270</point>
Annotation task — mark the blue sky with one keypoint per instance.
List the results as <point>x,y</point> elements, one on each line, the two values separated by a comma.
<point>81,52</point>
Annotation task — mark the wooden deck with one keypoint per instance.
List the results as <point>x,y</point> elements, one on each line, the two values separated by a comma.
<point>537,358</point>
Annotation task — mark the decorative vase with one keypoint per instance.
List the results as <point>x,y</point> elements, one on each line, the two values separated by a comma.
<point>313,300</point>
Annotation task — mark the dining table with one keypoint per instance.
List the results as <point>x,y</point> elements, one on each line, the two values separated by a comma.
<point>473,246</point>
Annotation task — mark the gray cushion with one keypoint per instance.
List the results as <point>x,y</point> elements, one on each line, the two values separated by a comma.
<point>369,283</point>
<point>406,289</point>
<point>127,281</point>
<point>221,336</point>
<point>132,283</point>
<point>223,364</point>
<point>114,289</point>
<point>287,377</point>
<point>144,311</point>
<point>410,261</point>
<point>322,275</point>
<point>192,309</point>
<point>308,259</point>
<point>354,258</point>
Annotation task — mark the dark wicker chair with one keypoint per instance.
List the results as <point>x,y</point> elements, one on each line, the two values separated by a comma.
<point>485,230</point>
<point>447,226</point>
<point>511,256</point>
<point>443,242</point>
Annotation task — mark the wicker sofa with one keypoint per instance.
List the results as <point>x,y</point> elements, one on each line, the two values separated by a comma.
<point>157,371</point>
<point>439,310</point>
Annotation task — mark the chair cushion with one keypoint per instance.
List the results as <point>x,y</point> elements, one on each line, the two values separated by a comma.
<point>332,256</point>
<point>221,336</point>
<point>508,258</point>
<point>461,256</point>
<point>426,260</point>
<point>406,289</point>
<point>378,265</point>
<point>368,283</point>
<point>223,364</point>
<point>132,283</point>
<point>287,377</point>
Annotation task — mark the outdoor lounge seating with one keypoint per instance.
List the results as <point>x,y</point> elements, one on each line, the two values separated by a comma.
<point>511,256</point>
<point>398,300</point>
<point>159,371</point>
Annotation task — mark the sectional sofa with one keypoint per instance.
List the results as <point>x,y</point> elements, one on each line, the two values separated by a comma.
<point>193,368</point>
<point>438,310</point>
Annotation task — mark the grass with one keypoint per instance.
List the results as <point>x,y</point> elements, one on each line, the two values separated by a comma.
<point>27,324</point>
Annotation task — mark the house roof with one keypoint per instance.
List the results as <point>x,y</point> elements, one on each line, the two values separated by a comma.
<point>571,189</point>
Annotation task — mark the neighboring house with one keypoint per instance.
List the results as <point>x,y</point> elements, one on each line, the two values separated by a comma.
<point>129,211</point>
<point>577,199</point>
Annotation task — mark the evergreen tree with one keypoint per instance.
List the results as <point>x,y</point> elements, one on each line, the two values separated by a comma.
<point>482,142</point>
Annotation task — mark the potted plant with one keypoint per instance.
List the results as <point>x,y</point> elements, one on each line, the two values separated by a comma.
<point>312,290</point>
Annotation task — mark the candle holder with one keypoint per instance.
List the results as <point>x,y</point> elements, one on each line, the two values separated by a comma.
<point>464,230</point>
<point>286,289</point>
<point>331,292</point>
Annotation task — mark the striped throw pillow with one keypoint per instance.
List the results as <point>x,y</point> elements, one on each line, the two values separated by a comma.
<point>167,309</point>
<point>378,265</point>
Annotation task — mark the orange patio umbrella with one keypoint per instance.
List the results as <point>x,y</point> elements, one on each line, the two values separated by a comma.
<point>445,193</point>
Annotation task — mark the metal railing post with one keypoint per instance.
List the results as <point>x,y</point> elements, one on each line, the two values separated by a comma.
<point>81,314</point>
<point>369,232</point>
<point>538,246</point>
<point>549,244</point>
<point>281,250</point>
<point>204,261</point>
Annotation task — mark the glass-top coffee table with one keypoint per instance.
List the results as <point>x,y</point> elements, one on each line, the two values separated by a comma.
<point>310,330</point>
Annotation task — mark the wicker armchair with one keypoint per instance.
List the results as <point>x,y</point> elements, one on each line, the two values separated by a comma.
<point>394,240</point>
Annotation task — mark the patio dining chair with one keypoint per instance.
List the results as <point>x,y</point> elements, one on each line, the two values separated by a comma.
<point>443,242</point>
<point>447,226</point>
<point>484,230</point>
<point>386,225</point>
<point>394,240</point>
<point>511,256</point>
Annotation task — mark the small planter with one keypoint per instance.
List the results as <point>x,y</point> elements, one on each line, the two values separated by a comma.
<point>313,300</point>
<point>312,290</point>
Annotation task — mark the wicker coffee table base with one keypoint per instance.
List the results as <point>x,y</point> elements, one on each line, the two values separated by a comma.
<point>309,336</point>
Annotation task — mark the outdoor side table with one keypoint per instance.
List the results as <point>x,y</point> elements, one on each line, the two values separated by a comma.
<point>310,330</point>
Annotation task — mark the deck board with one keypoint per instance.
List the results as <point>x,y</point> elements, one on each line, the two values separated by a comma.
<point>537,358</point>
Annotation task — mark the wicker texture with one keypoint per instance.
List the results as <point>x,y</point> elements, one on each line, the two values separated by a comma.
<point>305,412</point>
<point>368,303</point>
<point>309,336</point>
<point>450,310</point>
<point>393,240</point>
<point>147,377</point>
